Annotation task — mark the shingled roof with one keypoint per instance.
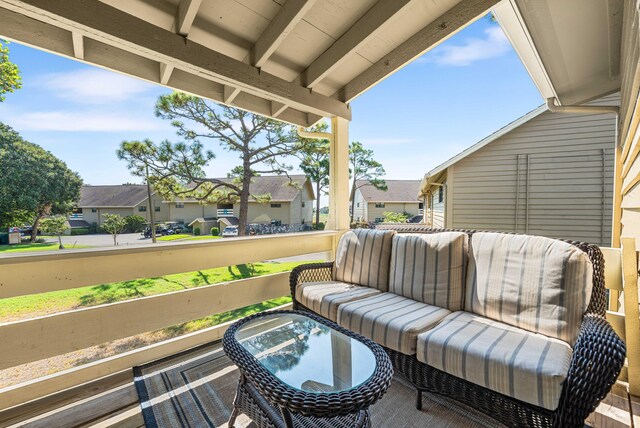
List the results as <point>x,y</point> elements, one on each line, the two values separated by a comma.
<point>280,187</point>
<point>397,191</point>
<point>112,196</point>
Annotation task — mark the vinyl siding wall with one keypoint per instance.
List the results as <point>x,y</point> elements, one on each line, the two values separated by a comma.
<point>552,176</point>
<point>438,208</point>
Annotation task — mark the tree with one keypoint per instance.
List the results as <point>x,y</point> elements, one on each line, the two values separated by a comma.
<point>114,224</point>
<point>176,170</point>
<point>134,223</point>
<point>10,79</point>
<point>315,164</point>
<point>55,225</point>
<point>392,217</point>
<point>139,166</point>
<point>33,183</point>
<point>365,169</point>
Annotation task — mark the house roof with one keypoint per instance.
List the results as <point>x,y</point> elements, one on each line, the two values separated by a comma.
<point>112,196</point>
<point>280,187</point>
<point>397,191</point>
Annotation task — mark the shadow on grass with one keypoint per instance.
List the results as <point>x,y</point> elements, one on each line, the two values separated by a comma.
<point>109,293</point>
<point>245,270</point>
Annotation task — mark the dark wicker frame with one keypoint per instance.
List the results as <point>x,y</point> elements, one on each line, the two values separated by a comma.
<point>345,408</point>
<point>598,357</point>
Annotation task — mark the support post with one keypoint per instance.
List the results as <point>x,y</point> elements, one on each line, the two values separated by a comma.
<point>339,175</point>
<point>616,227</point>
<point>631,316</point>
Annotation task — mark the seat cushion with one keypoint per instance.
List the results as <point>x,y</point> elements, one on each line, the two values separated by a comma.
<point>535,283</point>
<point>362,258</point>
<point>392,321</point>
<point>430,268</point>
<point>515,362</point>
<point>324,297</point>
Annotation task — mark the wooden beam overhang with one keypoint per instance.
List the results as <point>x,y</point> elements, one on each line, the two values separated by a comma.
<point>431,35</point>
<point>360,33</point>
<point>123,37</point>
<point>284,22</point>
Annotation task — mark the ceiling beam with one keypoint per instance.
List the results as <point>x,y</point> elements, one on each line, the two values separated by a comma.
<point>283,23</point>
<point>230,93</point>
<point>78,45</point>
<point>106,24</point>
<point>430,36</point>
<point>20,28</point>
<point>277,108</point>
<point>353,39</point>
<point>187,11</point>
<point>185,15</point>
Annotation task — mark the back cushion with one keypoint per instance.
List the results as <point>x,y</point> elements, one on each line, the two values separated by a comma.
<point>363,256</point>
<point>430,268</point>
<point>535,283</point>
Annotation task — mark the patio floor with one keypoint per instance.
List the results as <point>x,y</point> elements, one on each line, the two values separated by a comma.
<point>114,402</point>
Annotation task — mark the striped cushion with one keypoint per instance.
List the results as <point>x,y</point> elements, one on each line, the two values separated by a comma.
<point>430,268</point>
<point>527,366</point>
<point>535,283</point>
<point>391,320</point>
<point>363,256</point>
<point>324,297</point>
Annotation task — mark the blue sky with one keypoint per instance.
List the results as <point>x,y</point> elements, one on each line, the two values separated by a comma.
<point>455,95</point>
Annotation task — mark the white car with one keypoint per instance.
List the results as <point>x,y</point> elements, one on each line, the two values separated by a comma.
<point>230,231</point>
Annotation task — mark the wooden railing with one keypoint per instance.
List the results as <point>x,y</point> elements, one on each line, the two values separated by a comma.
<point>46,336</point>
<point>621,279</point>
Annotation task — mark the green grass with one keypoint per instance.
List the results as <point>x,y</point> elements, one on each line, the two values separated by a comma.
<point>24,248</point>
<point>186,237</point>
<point>40,304</point>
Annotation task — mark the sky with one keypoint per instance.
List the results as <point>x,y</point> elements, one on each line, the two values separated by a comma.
<point>458,93</point>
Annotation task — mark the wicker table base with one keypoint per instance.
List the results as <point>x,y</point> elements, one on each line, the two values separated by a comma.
<point>265,415</point>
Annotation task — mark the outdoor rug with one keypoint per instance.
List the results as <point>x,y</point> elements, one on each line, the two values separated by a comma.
<point>196,389</point>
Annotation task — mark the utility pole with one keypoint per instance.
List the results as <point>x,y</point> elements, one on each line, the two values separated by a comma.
<point>152,210</point>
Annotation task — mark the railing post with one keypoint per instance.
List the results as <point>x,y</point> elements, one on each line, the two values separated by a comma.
<point>339,175</point>
<point>631,315</point>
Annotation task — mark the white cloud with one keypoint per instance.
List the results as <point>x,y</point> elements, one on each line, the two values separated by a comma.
<point>494,45</point>
<point>82,121</point>
<point>93,86</point>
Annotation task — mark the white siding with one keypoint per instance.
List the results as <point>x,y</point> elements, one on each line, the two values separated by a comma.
<point>437,208</point>
<point>552,176</point>
<point>360,207</point>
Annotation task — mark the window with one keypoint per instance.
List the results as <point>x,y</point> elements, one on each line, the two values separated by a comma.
<point>358,204</point>
<point>303,204</point>
<point>440,193</point>
<point>421,205</point>
<point>142,209</point>
<point>379,219</point>
<point>156,209</point>
<point>94,210</point>
<point>379,204</point>
<point>276,205</point>
<point>179,205</point>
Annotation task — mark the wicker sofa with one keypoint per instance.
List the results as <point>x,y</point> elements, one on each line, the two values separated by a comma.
<point>512,325</point>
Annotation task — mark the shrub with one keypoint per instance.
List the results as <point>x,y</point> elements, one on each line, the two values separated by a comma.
<point>319,226</point>
<point>134,223</point>
<point>215,231</point>
<point>80,231</point>
<point>196,231</point>
<point>391,217</point>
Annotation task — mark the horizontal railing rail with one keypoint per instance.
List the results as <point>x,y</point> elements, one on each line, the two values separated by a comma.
<point>51,335</point>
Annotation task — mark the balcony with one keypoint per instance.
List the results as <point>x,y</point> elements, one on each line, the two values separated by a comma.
<point>224,212</point>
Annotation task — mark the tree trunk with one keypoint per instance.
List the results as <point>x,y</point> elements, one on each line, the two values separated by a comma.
<point>317,204</point>
<point>244,198</point>
<point>35,225</point>
<point>152,209</point>
<point>61,247</point>
<point>115,237</point>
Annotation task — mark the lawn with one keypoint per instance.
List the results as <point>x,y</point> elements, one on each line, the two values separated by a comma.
<point>24,248</point>
<point>46,303</point>
<point>186,237</point>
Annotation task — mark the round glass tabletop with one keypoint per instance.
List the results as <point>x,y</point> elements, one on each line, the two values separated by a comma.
<point>306,354</point>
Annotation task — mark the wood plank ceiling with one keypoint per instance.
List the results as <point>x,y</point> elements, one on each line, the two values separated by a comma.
<point>295,60</point>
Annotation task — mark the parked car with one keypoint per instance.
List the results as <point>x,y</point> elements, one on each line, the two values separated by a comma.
<point>230,231</point>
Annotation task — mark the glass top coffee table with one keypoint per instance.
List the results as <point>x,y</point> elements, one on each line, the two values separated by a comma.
<point>299,369</point>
